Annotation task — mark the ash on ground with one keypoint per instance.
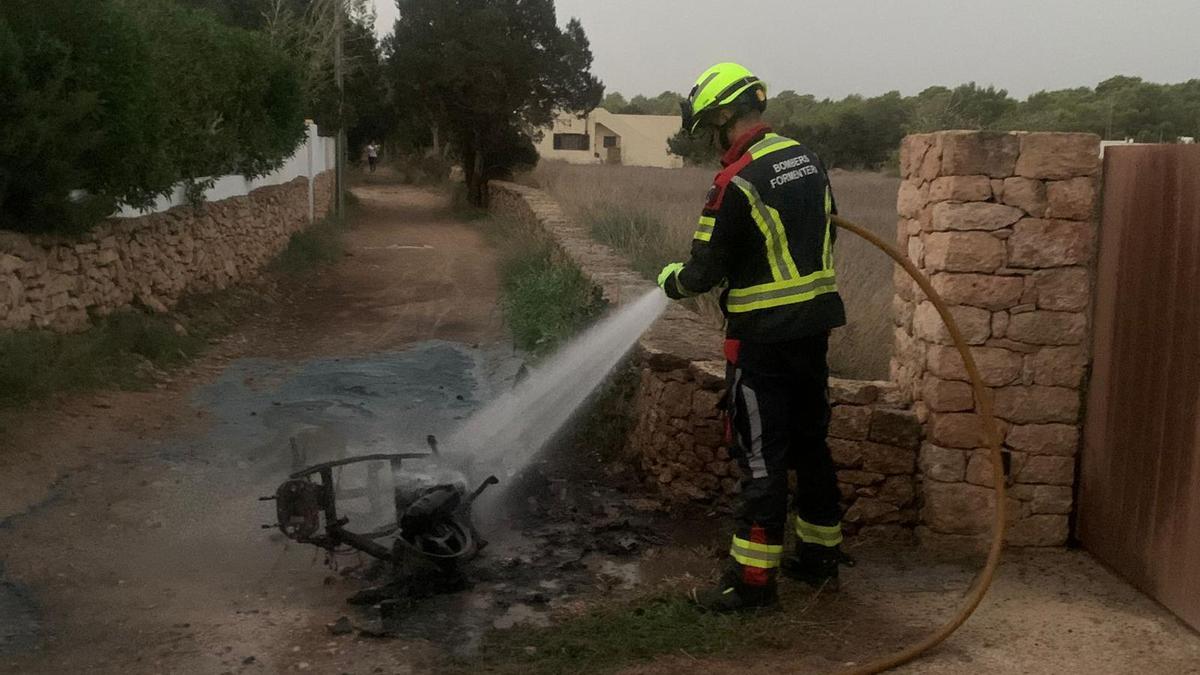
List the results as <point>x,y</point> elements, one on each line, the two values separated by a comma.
<point>556,543</point>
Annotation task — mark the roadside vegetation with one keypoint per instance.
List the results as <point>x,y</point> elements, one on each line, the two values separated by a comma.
<point>319,244</point>
<point>134,348</point>
<point>546,298</point>
<point>118,351</point>
<point>616,635</point>
<point>306,31</point>
<point>118,102</point>
<point>649,215</point>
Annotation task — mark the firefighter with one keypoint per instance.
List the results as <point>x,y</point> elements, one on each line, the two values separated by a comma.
<point>765,232</point>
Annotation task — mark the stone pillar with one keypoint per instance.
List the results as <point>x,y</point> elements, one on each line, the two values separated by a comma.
<point>1004,226</point>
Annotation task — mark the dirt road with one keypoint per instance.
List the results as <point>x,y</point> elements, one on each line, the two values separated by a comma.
<point>129,530</point>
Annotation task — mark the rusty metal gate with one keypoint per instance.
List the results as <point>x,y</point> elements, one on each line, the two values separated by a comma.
<point>1139,501</point>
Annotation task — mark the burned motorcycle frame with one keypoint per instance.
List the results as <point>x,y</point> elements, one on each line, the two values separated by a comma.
<point>433,530</point>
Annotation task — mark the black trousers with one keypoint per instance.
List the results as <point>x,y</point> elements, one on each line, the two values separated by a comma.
<point>779,412</point>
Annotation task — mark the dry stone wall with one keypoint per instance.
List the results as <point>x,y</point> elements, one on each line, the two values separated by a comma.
<point>679,443</point>
<point>56,282</point>
<point>677,440</point>
<point>1003,225</point>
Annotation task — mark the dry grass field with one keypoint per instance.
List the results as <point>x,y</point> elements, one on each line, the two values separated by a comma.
<point>650,214</point>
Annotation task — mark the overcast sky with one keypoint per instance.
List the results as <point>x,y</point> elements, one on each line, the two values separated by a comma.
<point>839,47</point>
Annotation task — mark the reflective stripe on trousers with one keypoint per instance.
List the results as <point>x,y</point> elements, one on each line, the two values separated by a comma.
<point>753,554</point>
<point>754,455</point>
<point>825,535</point>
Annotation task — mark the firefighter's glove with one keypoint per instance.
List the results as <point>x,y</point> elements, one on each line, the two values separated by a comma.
<point>669,271</point>
<point>668,279</point>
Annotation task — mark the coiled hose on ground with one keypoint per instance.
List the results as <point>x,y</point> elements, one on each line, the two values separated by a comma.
<point>983,407</point>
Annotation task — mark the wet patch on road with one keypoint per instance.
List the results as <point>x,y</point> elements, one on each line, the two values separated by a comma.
<point>53,493</point>
<point>19,622</point>
<point>336,407</point>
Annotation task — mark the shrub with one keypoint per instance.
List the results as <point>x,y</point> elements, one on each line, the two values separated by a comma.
<point>546,301</point>
<point>76,114</point>
<point>121,350</point>
<point>546,298</point>
<point>231,102</point>
<point>116,101</point>
<point>319,244</point>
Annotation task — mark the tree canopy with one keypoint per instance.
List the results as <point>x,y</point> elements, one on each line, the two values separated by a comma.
<point>492,73</point>
<point>859,131</point>
<point>666,103</point>
<point>305,30</point>
<point>114,102</point>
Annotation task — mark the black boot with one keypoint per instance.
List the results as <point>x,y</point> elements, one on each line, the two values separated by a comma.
<point>816,565</point>
<point>731,594</point>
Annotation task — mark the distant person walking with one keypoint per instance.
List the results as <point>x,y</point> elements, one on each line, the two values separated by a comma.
<point>372,155</point>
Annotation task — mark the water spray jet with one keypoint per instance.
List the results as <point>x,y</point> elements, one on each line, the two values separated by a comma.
<point>508,434</point>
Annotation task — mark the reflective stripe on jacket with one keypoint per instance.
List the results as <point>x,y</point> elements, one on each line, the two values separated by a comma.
<point>765,230</point>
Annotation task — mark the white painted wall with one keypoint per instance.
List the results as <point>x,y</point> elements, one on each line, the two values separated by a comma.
<point>315,156</point>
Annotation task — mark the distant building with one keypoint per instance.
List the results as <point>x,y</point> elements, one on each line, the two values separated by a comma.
<point>604,137</point>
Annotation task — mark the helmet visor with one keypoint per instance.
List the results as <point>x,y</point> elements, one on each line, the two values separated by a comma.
<point>685,112</point>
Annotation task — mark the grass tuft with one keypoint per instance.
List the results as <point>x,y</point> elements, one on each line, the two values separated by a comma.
<point>546,298</point>
<point>546,302</point>
<point>636,233</point>
<point>609,638</point>
<point>319,244</point>
<point>122,350</point>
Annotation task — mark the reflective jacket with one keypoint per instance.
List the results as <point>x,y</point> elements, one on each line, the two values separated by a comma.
<point>765,230</point>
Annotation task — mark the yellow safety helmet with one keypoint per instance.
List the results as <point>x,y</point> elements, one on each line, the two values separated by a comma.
<point>719,87</point>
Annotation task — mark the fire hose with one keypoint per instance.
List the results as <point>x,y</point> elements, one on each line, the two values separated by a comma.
<point>983,407</point>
